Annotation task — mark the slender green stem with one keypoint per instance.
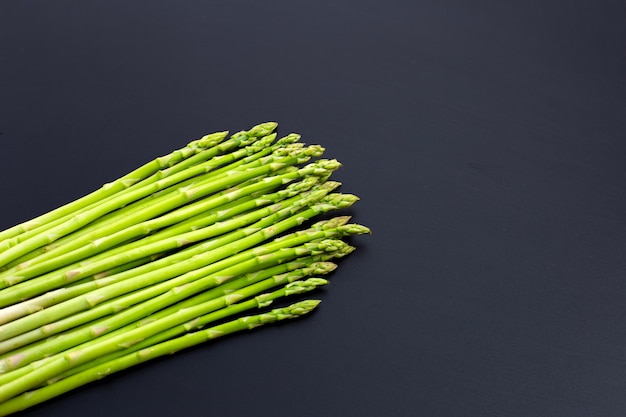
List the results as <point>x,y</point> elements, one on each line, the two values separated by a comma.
<point>196,151</point>
<point>205,213</point>
<point>183,196</point>
<point>293,287</point>
<point>48,282</point>
<point>256,151</point>
<point>144,249</point>
<point>172,296</point>
<point>239,139</point>
<point>286,272</point>
<point>29,399</point>
<point>165,294</point>
<point>118,185</point>
<point>104,284</point>
<point>58,295</point>
<point>240,240</point>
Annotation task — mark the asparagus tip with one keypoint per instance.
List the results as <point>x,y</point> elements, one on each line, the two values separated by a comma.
<point>263,129</point>
<point>299,287</point>
<point>304,307</point>
<point>209,140</point>
<point>262,143</point>
<point>322,267</point>
<point>290,138</point>
<point>331,223</point>
<point>337,247</point>
<point>356,229</point>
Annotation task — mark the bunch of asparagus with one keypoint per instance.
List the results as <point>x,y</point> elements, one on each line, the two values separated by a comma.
<point>164,258</point>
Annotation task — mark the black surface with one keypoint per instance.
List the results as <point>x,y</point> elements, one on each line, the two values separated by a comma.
<point>486,140</point>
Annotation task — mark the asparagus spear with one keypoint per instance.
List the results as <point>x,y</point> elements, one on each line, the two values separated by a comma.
<point>287,272</point>
<point>207,171</point>
<point>179,320</point>
<point>156,297</point>
<point>322,167</point>
<point>260,301</point>
<point>46,283</point>
<point>88,247</point>
<point>196,151</point>
<point>117,185</point>
<point>28,399</point>
<point>142,250</point>
<point>163,283</point>
<point>212,149</point>
<point>58,295</point>
<point>185,195</point>
<point>257,149</point>
<point>273,253</point>
<point>239,240</point>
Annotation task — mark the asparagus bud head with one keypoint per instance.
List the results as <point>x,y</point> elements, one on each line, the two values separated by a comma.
<point>290,138</point>
<point>300,287</point>
<point>263,129</point>
<point>208,141</point>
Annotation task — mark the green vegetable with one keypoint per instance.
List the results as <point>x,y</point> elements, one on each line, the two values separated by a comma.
<point>145,265</point>
<point>164,348</point>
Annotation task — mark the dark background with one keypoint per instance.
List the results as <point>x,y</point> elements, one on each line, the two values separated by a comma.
<point>486,140</point>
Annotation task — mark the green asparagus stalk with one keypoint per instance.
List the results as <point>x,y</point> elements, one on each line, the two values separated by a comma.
<point>184,196</point>
<point>166,293</point>
<point>253,156</point>
<point>192,316</point>
<point>196,151</point>
<point>117,185</point>
<point>223,212</point>
<point>237,140</point>
<point>28,399</point>
<point>141,309</point>
<point>88,248</point>
<point>191,194</point>
<point>287,272</point>
<point>58,295</point>
<point>181,316</point>
<point>118,279</point>
<point>139,252</point>
<point>200,150</point>
<point>49,282</point>
<point>239,241</point>
<point>294,287</point>
<point>257,149</point>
